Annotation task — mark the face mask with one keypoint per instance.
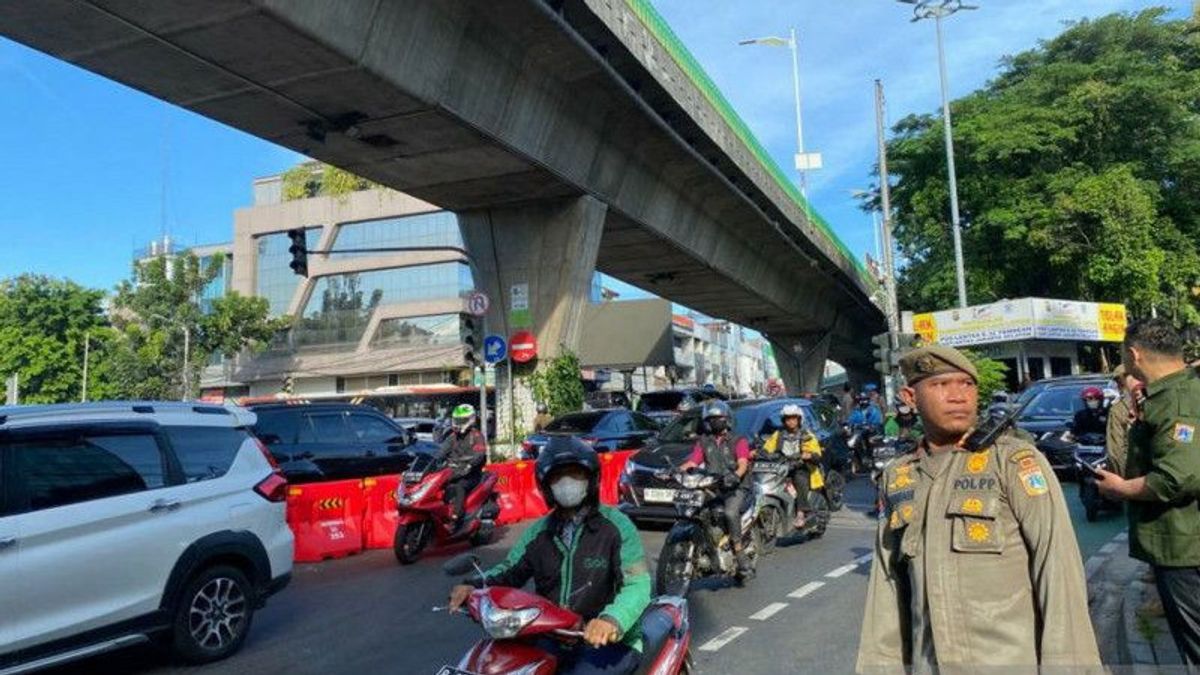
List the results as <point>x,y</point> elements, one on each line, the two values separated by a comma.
<point>718,424</point>
<point>1093,404</point>
<point>569,492</point>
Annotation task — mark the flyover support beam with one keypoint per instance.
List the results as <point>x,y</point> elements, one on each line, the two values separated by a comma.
<point>543,255</point>
<point>801,360</point>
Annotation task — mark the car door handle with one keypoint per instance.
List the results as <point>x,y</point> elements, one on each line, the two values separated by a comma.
<point>7,542</point>
<point>160,505</point>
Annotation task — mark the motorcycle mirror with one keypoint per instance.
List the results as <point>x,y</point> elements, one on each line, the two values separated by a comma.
<point>460,565</point>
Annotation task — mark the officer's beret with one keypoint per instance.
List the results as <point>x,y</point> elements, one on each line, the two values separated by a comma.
<point>934,359</point>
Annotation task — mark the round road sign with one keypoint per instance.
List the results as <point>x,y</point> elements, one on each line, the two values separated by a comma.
<point>522,346</point>
<point>478,303</point>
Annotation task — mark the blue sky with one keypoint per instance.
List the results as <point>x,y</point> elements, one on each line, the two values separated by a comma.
<point>81,184</point>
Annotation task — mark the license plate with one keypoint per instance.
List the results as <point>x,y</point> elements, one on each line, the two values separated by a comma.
<point>660,495</point>
<point>764,468</point>
<point>413,476</point>
<point>451,670</point>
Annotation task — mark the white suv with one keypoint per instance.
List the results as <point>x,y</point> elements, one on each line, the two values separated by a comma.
<point>123,522</point>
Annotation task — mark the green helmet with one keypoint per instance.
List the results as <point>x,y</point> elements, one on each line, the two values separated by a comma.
<point>463,416</point>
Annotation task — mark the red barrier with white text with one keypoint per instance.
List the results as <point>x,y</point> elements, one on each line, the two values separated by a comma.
<point>379,513</point>
<point>326,519</point>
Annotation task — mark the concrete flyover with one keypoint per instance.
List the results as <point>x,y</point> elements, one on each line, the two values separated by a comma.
<point>551,126</point>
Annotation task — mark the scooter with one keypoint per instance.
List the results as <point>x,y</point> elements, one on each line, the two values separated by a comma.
<point>424,517</point>
<point>697,545</point>
<point>861,441</point>
<point>1089,456</point>
<point>776,505</point>
<point>516,621</point>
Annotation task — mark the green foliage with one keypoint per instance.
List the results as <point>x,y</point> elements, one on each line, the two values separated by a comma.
<point>317,179</point>
<point>1080,168</point>
<point>43,324</point>
<point>991,377</point>
<point>559,383</point>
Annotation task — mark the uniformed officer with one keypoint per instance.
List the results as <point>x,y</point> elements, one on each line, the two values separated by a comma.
<point>975,559</point>
<point>1163,466</point>
<point>1120,417</point>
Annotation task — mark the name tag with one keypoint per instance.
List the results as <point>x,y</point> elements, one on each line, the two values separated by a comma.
<point>973,483</point>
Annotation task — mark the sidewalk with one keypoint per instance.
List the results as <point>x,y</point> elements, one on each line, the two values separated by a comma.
<point>1126,614</point>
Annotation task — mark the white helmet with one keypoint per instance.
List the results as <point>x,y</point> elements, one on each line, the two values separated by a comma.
<point>791,410</point>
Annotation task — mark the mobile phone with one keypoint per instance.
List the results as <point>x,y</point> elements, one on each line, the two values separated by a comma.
<point>1088,468</point>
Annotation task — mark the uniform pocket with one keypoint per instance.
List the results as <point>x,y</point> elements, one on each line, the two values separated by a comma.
<point>975,529</point>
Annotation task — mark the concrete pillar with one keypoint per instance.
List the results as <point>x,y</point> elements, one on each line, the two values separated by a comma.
<point>801,361</point>
<point>550,247</point>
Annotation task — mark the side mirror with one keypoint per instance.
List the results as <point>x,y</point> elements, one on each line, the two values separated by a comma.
<point>460,565</point>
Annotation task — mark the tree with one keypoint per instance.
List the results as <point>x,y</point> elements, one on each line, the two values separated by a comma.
<point>317,179</point>
<point>559,383</point>
<point>991,377</point>
<point>1079,166</point>
<point>156,308</point>
<point>44,324</point>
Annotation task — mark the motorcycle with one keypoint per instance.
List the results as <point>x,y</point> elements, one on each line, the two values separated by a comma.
<point>425,517</point>
<point>1089,456</point>
<point>516,622</point>
<point>697,545</point>
<point>776,504</point>
<point>861,440</point>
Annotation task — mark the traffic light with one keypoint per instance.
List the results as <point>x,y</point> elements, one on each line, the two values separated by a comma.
<point>472,343</point>
<point>299,251</point>
<point>883,354</point>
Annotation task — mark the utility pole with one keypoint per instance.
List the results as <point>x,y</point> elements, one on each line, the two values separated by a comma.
<point>889,272</point>
<point>187,371</point>
<point>87,344</point>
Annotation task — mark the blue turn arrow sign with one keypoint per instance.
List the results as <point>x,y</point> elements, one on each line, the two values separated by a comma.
<point>494,349</point>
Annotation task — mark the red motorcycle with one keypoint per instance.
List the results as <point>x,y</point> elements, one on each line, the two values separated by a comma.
<point>516,620</point>
<point>425,517</point>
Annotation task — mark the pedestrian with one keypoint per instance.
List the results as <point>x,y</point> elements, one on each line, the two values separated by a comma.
<point>976,562</point>
<point>1162,487</point>
<point>1120,417</point>
<point>845,403</point>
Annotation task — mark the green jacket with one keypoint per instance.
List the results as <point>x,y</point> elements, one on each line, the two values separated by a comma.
<point>1164,446</point>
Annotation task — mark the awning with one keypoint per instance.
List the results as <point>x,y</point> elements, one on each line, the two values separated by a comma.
<point>628,334</point>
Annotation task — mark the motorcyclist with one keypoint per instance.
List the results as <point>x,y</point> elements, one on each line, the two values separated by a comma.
<point>903,424</point>
<point>1093,419</point>
<point>585,556</point>
<point>727,456</point>
<point>802,447</point>
<point>865,413</point>
<point>466,448</point>
<point>542,419</point>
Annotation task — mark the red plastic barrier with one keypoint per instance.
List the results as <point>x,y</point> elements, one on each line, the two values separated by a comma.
<point>535,504</point>
<point>379,513</point>
<point>326,519</point>
<point>611,466</point>
<point>509,489</point>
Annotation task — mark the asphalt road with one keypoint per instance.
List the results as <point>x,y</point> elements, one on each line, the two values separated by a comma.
<point>368,614</point>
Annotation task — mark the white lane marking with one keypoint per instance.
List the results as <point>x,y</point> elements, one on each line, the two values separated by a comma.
<point>806,589</point>
<point>768,611</point>
<point>1108,548</point>
<point>723,639</point>
<point>842,570</point>
<point>864,559</point>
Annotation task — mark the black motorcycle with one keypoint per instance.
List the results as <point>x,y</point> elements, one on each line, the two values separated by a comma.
<point>1089,456</point>
<point>861,439</point>
<point>697,545</point>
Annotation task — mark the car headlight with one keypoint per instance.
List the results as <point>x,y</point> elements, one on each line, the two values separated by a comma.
<point>503,624</point>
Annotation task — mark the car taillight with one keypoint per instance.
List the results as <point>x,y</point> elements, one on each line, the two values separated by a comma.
<point>262,447</point>
<point>273,488</point>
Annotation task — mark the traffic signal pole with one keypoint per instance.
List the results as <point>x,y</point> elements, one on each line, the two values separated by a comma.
<point>892,311</point>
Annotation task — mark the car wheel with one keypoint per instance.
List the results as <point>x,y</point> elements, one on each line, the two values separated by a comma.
<point>213,616</point>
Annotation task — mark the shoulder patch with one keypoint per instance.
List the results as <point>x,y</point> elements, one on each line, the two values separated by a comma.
<point>1018,456</point>
<point>1033,480</point>
<point>1183,433</point>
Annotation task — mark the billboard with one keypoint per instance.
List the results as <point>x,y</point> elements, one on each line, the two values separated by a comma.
<point>1023,319</point>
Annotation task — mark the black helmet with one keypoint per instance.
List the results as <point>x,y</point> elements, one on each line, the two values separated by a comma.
<point>563,451</point>
<point>715,414</point>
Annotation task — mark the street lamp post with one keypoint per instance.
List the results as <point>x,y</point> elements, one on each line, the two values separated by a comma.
<point>187,348</point>
<point>937,10</point>
<point>805,161</point>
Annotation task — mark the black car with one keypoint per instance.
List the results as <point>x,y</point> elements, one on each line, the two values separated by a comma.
<point>604,430</point>
<point>333,441</point>
<point>645,497</point>
<point>1052,405</point>
<point>599,400</point>
<point>667,404</point>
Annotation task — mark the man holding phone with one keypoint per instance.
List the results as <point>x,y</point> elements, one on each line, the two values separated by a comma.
<point>1163,469</point>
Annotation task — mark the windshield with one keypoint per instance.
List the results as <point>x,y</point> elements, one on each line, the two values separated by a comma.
<point>660,401</point>
<point>577,423</point>
<point>1056,402</point>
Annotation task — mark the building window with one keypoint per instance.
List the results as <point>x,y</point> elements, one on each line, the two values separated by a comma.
<point>219,286</point>
<point>439,329</point>
<point>393,380</point>
<point>340,385</point>
<point>275,279</point>
<point>340,307</point>
<point>439,228</point>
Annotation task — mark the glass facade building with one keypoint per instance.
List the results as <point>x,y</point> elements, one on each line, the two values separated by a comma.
<point>220,284</point>
<point>439,228</point>
<point>275,279</point>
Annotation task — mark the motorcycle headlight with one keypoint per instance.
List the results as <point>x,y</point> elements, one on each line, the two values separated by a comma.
<point>696,481</point>
<point>503,624</point>
<point>405,496</point>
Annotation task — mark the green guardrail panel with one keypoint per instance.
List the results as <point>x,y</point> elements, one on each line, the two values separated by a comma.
<point>658,27</point>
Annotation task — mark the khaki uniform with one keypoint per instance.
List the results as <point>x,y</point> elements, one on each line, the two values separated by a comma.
<point>975,565</point>
<point>1116,439</point>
